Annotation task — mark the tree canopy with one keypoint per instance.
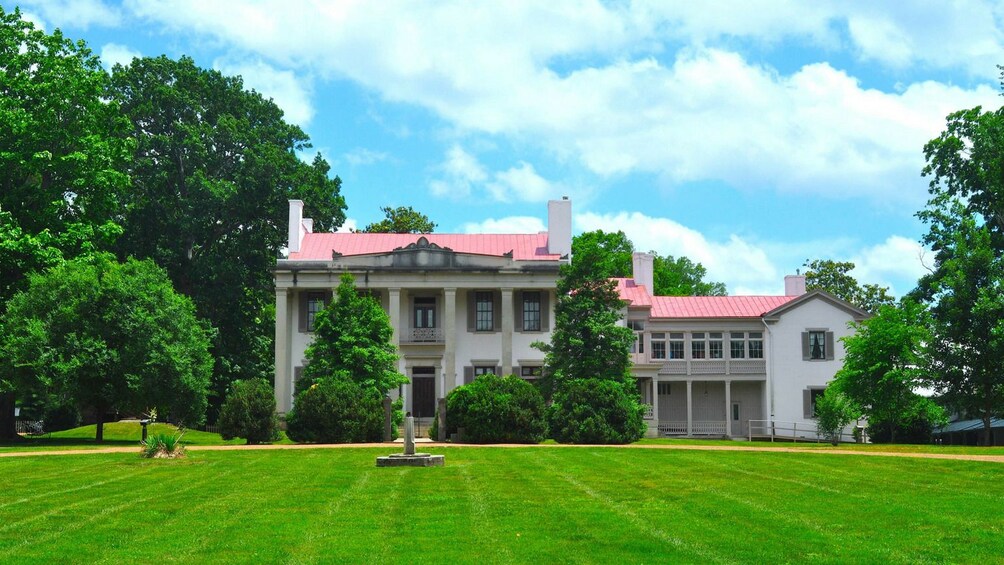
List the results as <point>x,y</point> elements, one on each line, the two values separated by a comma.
<point>110,336</point>
<point>834,277</point>
<point>402,219</point>
<point>609,254</point>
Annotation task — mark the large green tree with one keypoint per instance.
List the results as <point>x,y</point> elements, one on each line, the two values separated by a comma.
<point>834,277</point>
<point>213,169</point>
<point>608,254</point>
<point>885,363</point>
<point>403,219</point>
<point>63,151</point>
<point>110,336</point>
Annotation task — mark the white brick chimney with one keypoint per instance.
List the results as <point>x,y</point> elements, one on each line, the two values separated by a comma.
<point>296,228</point>
<point>559,227</point>
<point>643,270</point>
<point>794,285</point>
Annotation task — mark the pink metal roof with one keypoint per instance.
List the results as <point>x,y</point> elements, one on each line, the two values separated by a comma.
<point>524,247</point>
<point>699,306</point>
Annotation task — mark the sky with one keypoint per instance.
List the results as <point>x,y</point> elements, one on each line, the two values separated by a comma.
<point>749,136</point>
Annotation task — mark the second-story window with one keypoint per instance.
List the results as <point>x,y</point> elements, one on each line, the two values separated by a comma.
<point>531,311</point>
<point>715,348</point>
<point>817,345</point>
<point>676,345</point>
<point>737,345</point>
<point>658,346</point>
<point>425,312</point>
<point>484,312</point>
<point>315,303</point>
<point>755,345</point>
<point>698,347</point>
<point>639,337</point>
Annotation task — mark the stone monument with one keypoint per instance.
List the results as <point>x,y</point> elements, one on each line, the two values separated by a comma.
<point>409,458</point>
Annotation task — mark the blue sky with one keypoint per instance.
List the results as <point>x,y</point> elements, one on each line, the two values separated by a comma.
<point>749,136</point>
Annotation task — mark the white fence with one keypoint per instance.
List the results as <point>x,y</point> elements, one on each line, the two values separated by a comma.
<point>29,427</point>
<point>798,431</point>
<point>698,428</point>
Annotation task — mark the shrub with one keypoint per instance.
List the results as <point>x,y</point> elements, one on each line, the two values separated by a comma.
<point>597,411</point>
<point>163,446</point>
<point>833,412</point>
<point>494,409</point>
<point>249,412</point>
<point>336,410</point>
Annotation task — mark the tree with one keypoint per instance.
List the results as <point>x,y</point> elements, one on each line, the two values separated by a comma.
<point>834,278</point>
<point>885,363</point>
<point>609,255</point>
<point>493,409</point>
<point>213,170</point>
<point>966,290</point>
<point>352,337</point>
<point>249,412</point>
<point>402,219</point>
<point>112,337</point>
<point>63,150</point>
<point>833,412</point>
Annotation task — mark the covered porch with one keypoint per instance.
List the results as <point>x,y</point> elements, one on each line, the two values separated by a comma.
<point>705,407</point>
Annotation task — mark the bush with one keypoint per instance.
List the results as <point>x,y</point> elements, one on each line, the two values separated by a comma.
<point>249,412</point>
<point>596,411</point>
<point>336,410</point>
<point>833,412</point>
<point>494,409</point>
<point>163,446</point>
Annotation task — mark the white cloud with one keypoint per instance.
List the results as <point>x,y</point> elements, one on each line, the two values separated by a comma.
<point>511,224</point>
<point>114,54</point>
<point>350,225</point>
<point>522,183</point>
<point>75,13</point>
<point>897,262</point>
<point>362,156</point>
<point>289,92</point>
<point>460,172</point>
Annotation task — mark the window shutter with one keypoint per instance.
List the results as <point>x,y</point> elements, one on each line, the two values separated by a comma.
<point>807,403</point>
<point>545,322</point>
<point>497,311</point>
<point>303,297</point>
<point>805,346</point>
<point>829,345</point>
<point>468,375</point>
<point>471,310</point>
<point>517,310</point>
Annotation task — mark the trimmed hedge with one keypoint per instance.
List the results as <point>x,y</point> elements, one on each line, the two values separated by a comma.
<point>249,412</point>
<point>494,409</point>
<point>595,411</point>
<point>336,410</point>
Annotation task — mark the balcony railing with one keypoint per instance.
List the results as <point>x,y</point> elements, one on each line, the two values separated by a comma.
<point>699,428</point>
<point>423,335</point>
<point>713,367</point>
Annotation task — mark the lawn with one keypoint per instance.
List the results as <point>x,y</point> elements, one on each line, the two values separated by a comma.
<point>522,505</point>
<point>117,434</point>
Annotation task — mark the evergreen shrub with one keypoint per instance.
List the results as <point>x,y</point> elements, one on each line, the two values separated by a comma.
<point>494,409</point>
<point>595,411</point>
<point>336,410</point>
<point>249,412</point>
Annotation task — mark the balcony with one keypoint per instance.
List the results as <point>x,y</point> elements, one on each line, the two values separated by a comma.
<point>713,367</point>
<point>423,335</point>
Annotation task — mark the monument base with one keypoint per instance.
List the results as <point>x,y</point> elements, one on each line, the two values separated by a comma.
<point>416,460</point>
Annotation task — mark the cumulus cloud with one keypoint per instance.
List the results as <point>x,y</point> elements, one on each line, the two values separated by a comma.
<point>511,224</point>
<point>897,262</point>
<point>74,13</point>
<point>350,225</point>
<point>362,156</point>
<point>289,92</point>
<point>460,172</point>
<point>114,54</point>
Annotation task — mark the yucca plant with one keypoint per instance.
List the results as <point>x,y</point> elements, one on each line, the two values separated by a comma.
<point>163,446</point>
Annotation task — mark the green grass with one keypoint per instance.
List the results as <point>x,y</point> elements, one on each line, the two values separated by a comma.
<point>886,447</point>
<point>521,505</point>
<point>117,434</point>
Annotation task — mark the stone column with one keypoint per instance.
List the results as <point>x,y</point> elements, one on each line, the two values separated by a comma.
<point>283,379</point>
<point>728,408</point>
<point>394,312</point>
<point>690,407</point>
<point>450,345</point>
<point>507,329</point>
<point>655,400</point>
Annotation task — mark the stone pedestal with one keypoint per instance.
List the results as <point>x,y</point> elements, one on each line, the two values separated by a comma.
<point>409,458</point>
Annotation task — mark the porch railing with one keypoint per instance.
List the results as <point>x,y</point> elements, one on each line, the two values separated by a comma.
<point>699,428</point>
<point>714,367</point>
<point>798,431</point>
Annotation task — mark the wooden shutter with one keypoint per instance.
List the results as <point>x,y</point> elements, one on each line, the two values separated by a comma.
<point>807,403</point>
<point>829,345</point>
<point>497,310</point>
<point>472,300</point>
<point>517,311</point>
<point>303,297</point>
<point>545,318</point>
<point>468,375</point>
<point>805,346</point>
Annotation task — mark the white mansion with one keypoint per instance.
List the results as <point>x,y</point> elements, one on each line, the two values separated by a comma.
<point>463,305</point>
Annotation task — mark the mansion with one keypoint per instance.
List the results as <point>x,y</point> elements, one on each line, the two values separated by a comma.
<point>462,305</point>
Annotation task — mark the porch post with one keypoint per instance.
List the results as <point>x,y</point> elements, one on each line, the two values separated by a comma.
<point>655,403</point>
<point>450,337</point>
<point>394,307</point>
<point>728,408</point>
<point>283,379</point>
<point>508,326</point>
<point>690,407</point>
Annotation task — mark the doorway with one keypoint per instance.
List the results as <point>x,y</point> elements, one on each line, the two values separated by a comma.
<point>423,392</point>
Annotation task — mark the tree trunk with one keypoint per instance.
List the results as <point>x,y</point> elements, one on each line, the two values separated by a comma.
<point>8,428</point>
<point>100,435</point>
<point>988,436</point>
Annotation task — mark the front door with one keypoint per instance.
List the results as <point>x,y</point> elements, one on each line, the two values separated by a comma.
<point>735,419</point>
<point>423,397</point>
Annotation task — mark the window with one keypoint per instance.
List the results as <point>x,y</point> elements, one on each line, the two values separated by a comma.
<point>676,346</point>
<point>531,311</point>
<point>315,303</point>
<point>663,388</point>
<point>639,337</point>
<point>484,311</point>
<point>735,411</point>
<point>658,346</point>
<point>530,372</point>
<point>698,347</point>
<point>425,312</point>
<point>715,349</point>
<point>756,345</point>
<point>813,396</point>
<point>483,370</point>
<point>737,345</point>
<point>817,347</point>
